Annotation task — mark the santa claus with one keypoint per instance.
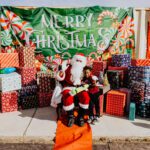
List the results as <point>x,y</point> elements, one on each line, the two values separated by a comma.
<point>70,77</point>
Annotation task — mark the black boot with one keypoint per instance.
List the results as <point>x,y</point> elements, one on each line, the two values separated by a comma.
<point>80,119</point>
<point>70,118</point>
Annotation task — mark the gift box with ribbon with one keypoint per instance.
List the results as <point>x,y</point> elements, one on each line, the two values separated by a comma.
<point>46,82</point>
<point>26,57</point>
<point>28,76</point>
<point>8,101</point>
<point>9,60</point>
<point>121,60</point>
<point>44,99</point>
<point>10,82</point>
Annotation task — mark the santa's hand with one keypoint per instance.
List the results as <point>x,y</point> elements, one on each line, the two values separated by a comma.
<point>86,86</point>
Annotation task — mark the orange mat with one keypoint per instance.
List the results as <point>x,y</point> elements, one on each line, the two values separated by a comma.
<point>73,138</point>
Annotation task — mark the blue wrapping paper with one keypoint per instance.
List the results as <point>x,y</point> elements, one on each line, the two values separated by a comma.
<point>139,73</point>
<point>121,60</point>
<point>137,91</point>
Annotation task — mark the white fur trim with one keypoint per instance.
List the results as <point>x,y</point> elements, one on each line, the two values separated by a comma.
<point>58,76</point>
<point>83,58</point>
<point>84,106</point>
<point>67,108</point>
<point>68,88</point>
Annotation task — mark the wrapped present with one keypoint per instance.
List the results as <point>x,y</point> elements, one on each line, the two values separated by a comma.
<point>147,91</point>
<point>9,49</point>
<point>8,101</point>
<point>128,97</point>
<point>28,76</point>
<point>46,82</point>
<point>140,62</point>
<point>26,57</point>
<point>115,78</point>
<point>125,73</point>
<point>101,104</point>
<point>137,91</point>
<point>115,103</point>
<point>9,60</point>
<point>10,82</point>
<point>120,60</point>
<point>98,66</point>
<point>44,99</point>
<point>139,73</point>
<point>28,102</point>
<point>143,109</point>
<point>28,91</point>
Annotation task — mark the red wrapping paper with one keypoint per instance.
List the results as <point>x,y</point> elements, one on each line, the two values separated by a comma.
<point>26,57</point>
<point>28,76</point>
<point>115,103</point>
<point>98,66</point>
<point>8,101</point>
<point>46,82</point>
<point>44,99</point>
<point>140,62</point>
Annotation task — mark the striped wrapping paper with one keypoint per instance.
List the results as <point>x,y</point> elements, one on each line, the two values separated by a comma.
<point>8,101</point>
<point>26,56</point>
<point>140,62</point>
<point>9,60</point>
<point>139,73</point>
<point>121,60</point>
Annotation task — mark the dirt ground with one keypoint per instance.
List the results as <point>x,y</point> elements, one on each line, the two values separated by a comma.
<point>107,146</point>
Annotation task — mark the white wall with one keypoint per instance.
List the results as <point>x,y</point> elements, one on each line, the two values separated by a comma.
<point>76,3</point>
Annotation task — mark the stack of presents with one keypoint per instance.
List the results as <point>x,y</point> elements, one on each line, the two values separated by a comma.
<point>126,81</point>
<point>128,93</point>
<point>21,87</point>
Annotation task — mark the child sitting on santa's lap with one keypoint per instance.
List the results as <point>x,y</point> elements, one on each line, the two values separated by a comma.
<point>94,94</point>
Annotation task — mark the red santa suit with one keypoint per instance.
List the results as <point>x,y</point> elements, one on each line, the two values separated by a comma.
<point>68,99</point>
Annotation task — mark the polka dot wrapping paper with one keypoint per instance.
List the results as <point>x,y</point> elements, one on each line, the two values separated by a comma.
<point>8,101</point>
<point>28,76</point>
<point>46,82</point>
<point>121,60</point>
<point>44,99</point>
<point>26,57</point>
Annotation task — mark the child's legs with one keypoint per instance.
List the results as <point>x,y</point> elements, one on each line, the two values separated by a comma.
<point>97,104</point>
<point>91,106</point>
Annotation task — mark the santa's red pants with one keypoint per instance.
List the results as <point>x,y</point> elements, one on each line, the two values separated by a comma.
<point>68,100</point>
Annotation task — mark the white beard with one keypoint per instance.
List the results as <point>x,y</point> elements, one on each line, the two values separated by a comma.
<point>76,72</point>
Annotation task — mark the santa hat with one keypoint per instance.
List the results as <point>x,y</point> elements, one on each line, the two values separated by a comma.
<point>80,54</point>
